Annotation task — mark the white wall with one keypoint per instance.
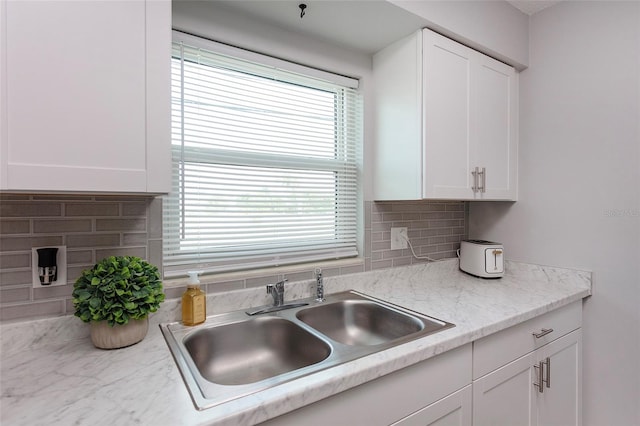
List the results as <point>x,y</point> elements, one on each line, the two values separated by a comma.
<point>579,204</point>
<point>493,27</point>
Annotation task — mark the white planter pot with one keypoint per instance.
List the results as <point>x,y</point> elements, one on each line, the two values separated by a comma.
<point>104,336</point>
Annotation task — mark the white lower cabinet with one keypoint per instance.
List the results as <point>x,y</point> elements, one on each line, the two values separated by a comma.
<point>435,391</point>
<point>453,410</point>
<point>541,387</point>
<point>506,395</point>
<point>560,403</point>
<point>528,374</point>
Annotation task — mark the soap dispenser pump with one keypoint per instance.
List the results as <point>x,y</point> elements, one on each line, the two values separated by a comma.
<point>194,302</point>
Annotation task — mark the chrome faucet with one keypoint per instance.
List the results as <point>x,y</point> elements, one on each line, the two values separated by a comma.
<point>319,286</point>
<point>277,292</point>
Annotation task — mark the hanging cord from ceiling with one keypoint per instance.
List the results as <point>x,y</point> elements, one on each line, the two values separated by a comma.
<point>302,7</point>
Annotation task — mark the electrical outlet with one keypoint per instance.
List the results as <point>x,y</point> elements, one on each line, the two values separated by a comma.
<point>399,238</point>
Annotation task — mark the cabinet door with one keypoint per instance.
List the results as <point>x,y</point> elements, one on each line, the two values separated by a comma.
<point>561,401</point>
<point>453,410</point>
<point>494,127</point>
<point>507,395</point>
<point>447,67</point>
<point>76,104</point>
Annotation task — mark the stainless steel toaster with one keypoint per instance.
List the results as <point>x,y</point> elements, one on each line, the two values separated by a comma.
<point>482,258</point>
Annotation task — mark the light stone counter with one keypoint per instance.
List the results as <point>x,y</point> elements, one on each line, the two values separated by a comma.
<point>52,375</point>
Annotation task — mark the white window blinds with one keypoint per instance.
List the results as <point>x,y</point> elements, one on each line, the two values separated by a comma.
<point>264,165</point>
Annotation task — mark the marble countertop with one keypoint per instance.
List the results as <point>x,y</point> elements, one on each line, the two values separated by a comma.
<point>52,375</point>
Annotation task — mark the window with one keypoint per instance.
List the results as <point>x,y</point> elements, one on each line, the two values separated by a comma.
<point>264,162</point>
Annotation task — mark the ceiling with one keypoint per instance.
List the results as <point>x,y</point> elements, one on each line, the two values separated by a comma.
<point>340,23</point>
<point>532,6</point>
<point>362,25</point>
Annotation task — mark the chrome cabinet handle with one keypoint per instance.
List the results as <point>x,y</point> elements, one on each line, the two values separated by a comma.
<point>479,180</point>
<point>543,379</point>
<point>540,373</point>
<point>543,332</point>
<point>548,375</point>
<point>475,187</point>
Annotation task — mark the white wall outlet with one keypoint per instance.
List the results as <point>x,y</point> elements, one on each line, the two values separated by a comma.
<point>399,238</point>
<point>61,267</point>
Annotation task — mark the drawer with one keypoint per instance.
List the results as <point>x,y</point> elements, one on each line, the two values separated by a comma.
<point>496,350</point>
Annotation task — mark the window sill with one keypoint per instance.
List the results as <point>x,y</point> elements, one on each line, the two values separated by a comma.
<point>296,272</point>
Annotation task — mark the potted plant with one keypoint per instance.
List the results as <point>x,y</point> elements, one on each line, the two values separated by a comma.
<point>116,297</point>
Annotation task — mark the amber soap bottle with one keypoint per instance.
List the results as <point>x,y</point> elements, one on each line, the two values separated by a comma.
<point>194,302</point>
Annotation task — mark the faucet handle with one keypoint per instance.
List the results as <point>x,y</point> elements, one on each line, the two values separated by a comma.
<point>279,286</point>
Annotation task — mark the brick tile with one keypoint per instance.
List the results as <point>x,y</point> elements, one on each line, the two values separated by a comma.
<point>381,226</point>
<point>154,253</point>
<point>173,292</point>
<point>225,286</point>
<point>74,272</point>
<point>69,308</point>
<point>134,239</point>
<point>26,243</point>
<point>351,269</point>
<point>91,209</point>
<point>93,240</point>
<point>20,260</point>
<point>18,294</point>
<point>382,264</point>
<point>29,209</point>
<point>459,206</point>
<point>401,261</point>
<point>80,257</point>
<point>121,225</point>
<point>32,310</point>
<point>381,207</point>
<point>55,292</point>
<point>390,217</point>
<point>154,218</point>
<point>8,226</point>
<point>134,209</point>
<point>140,252</point>
<point>261,281</point>
<point>42,226</point>
<point>9,278</point>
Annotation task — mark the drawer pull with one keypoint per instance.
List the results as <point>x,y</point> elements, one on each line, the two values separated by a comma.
<point>544,332</point>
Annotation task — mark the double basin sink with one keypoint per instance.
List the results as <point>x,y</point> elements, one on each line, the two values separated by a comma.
<point>235,354</point>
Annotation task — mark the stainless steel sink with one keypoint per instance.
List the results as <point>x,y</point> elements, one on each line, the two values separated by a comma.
<point>363,322</point>
<point>250,351</point>
<point>234,354</point>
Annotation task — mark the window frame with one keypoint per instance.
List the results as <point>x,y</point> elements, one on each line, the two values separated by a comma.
<point>171,229</point>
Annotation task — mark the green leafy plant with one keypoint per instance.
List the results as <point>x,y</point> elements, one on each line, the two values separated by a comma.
<point>117,289</point>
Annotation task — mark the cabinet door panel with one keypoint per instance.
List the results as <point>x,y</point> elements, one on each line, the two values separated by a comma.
<point>494,123</point>
<point>453,410</point>
<point>561,402</point>
<point>506,396</point>
<point>446,74</point>
<point>76,105</point>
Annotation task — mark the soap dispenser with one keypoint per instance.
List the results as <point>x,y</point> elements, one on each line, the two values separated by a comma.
<point>194,302</point>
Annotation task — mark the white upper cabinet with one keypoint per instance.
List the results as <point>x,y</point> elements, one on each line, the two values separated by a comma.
<point>85,96</point>
<point>446,122</point>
